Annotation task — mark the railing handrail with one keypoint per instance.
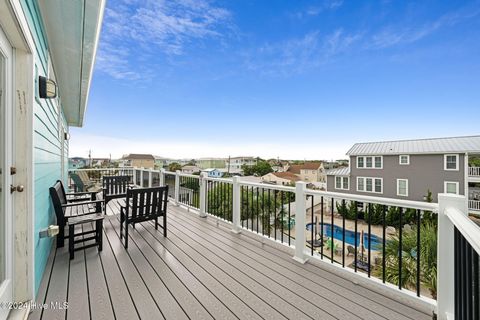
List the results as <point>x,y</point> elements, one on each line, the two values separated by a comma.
<point>100,169</point>
<point>474,171</point>
<point>428,206</point>
<point>469,230</point>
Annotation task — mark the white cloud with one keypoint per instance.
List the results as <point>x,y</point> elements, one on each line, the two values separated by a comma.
<point>142,29</point>
<point>102,146</point>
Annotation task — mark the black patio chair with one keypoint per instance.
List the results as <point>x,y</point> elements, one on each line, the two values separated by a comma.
<point>144,204</point>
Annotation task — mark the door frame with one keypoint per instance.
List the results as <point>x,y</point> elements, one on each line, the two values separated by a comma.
<point>16,28</point>
<point>7,144</point>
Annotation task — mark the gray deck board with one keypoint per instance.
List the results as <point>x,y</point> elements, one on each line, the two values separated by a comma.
<point>200,271</point>
<point>284,264</point>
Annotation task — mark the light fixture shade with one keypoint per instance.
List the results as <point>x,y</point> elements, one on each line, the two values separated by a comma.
<point>47,88</point>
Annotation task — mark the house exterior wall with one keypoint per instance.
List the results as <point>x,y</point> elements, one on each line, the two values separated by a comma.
<point>50,150</point>
<point>143,163</point>
<point>425,172</point>
<point>210,163</point>
<point>270,177</point>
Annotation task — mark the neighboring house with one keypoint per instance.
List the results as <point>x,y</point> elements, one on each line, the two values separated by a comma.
<point>76,163</point>
<point>234,164</point>
<point>98,162</point>
<point>139,160</point>
<point>39,40</point>
<point>408,169</point>
<point>309,171</point>
<point>281,178</point>
<point>190,169</point>
<point>206,163</point>
<point>214,172</point>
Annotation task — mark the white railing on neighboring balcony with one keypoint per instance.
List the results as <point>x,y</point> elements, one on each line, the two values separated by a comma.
<point>474,171</point>
<point>350,232</point>
<point>474,205</point>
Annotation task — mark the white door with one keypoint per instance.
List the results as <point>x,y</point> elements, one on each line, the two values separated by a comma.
<point>6,154</point>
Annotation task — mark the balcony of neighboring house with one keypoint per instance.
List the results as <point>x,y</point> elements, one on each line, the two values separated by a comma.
<point>474,168</point>
<point>237,249</point>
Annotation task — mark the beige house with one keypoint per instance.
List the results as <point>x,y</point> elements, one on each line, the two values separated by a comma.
<point>188,169</point>
<point>139,160</point>
<point>281,178</point>
<point>309,171</point>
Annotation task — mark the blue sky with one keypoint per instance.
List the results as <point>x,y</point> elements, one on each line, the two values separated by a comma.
<point>289,79</point>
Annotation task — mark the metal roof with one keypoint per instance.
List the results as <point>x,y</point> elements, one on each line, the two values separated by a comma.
<point>468,144</point>
<point>343,171</point>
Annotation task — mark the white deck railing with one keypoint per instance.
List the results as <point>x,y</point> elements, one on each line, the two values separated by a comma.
<point>451,211</point>
<point>474,205</point>
<point>474,171</point>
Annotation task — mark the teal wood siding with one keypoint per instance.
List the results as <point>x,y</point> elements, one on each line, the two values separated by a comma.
<point>49,125</point>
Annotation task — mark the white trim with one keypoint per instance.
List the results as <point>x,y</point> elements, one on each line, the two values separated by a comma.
<point>400,159</point>
<point>373,162</point>
<point>373,184</point>
<point>398,188</point>
<point>445,161</point>
<point>456,186</point>
<point>342,184</point>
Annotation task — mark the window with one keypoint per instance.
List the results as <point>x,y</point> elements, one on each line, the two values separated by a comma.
<point>451,187</point>
<point>451,162</point>
<point>360,162</point>
<point>374,185</point>
<point>370,162</point>
<point>378,162</point>
<point>360,184</point>
<point>342,183</point>
<point>404,159</point>
<point>402,187</point>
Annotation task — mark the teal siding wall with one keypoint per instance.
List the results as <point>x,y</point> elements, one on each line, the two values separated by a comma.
<point>49,125</point>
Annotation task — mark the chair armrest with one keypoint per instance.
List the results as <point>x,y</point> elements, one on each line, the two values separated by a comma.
<point>78,193</point>
<point>81,203</point>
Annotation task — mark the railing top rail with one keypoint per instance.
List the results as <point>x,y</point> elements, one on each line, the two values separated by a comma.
<point>469,230</point>
<point>189,175</point>
<point>267,186</point>
<point>100,169</point>
<point>219,179</point>
<point>379,200</point>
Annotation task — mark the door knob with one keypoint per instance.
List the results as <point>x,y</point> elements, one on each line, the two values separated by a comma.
<point>18,188</point>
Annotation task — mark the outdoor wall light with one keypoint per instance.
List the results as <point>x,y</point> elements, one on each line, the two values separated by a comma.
<point>47,88</point>
<point>66,136</point>
<point>49,232</point>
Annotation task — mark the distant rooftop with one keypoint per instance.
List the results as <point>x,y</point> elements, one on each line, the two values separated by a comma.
<point>138,156</point>
<point>419,146</point>
<point>295,168</point>
<point>343,171</point>
<point>286,175</point>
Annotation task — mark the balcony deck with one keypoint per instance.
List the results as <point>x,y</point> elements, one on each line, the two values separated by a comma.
<point>200,271</point>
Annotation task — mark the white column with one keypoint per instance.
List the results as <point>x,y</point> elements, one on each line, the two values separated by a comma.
<point>203,192</point>
<point>446,255</point>
<point>150,174</point>
<point>134,175</point>
<point>300,219</point>
<point>177,188</point>
<point>141,177</point>
<point>236,205</point>
<point>162,177</point>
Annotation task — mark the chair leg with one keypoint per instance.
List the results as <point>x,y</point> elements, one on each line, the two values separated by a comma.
<point>156,223</point>
<point>126,235</point>
<point>61,237</point>
<point>71,244</point>
<point>100,235</point>
<point>121,224</point>
<point>165,224</point>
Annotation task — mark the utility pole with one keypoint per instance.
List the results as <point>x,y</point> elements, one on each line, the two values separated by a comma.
<point>228,169</point>
<point>90,157</point>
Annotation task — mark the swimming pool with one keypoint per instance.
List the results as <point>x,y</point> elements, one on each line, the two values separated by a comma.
<point>349,235</point>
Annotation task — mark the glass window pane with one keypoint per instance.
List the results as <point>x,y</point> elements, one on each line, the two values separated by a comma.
<point>338,182</point>
<point>345,183</point>
<point>369,162</point>
<point>378,185</point>
<point>360,162</point>
<point>360,184</point>
<point>451,187</point>
<point>378,162</point>
<point>451,162</point>
<point>369,184</point>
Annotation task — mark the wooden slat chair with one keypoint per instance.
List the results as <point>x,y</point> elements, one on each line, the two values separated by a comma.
<point>67,205</point>
<point>115,187</point>
<point>81,185</point>
<point>144,204</point>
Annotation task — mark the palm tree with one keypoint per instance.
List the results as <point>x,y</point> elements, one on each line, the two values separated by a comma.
<point>428,258</point>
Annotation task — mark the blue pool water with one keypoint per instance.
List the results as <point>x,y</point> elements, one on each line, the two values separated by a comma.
<point>349,235</point>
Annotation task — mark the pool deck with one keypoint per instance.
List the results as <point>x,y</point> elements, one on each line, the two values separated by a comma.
<point>201,271</point>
